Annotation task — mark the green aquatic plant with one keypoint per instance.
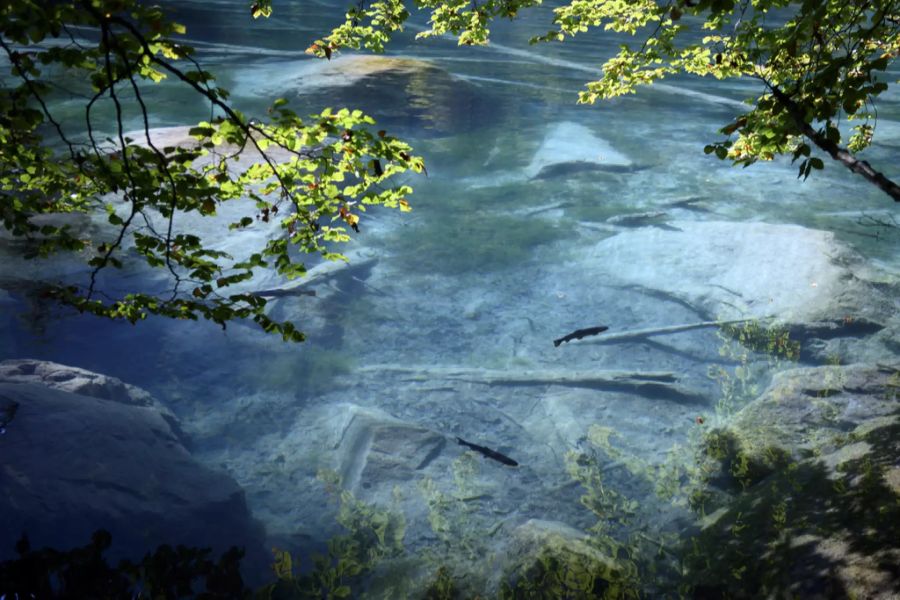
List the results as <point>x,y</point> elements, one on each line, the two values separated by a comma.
<point>773,341</point>
<point>458,517</point>
<point>758,350</point>
<point>612,508</point>
<point>764,516</point>
<point>772,535</point>
<point>620,531</point>
<point>736,461</point>
<point>442,586</point>
<point>793,523</point>
<point>378,532</point>
<point>834,378</point>
<point>892,387</point>
<point>454,516</point>
<point>560,572</point>
<point>373,535</point>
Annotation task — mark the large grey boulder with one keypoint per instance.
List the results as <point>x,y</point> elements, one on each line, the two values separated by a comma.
<point>84,451</point>
<point>77,381</point>
<point>739,270</point>
<point>86,383</point>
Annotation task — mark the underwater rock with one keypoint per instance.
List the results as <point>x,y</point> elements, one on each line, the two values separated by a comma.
<point>641,219</point>
<point>865,340</point>
<point>411,95</point>
<point>378,451</point>
<point>76,381</point>
<point>812,467</point>
<point>86,383</point>
<point>812,411</point>
<point>737,270</point>
<point>179,136</point>
<point>341,71</point>
<point>570,148</point>
<point>368,451</point>
<point>563,419</point>
<point>86,451</point>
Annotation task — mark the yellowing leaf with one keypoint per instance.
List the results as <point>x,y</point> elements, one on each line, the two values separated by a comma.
<point>283,565</point>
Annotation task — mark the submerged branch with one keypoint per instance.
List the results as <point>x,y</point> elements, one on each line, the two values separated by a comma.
<point>638,334</point>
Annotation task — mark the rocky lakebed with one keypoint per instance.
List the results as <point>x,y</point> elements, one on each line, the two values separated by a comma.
<point>737,424</point>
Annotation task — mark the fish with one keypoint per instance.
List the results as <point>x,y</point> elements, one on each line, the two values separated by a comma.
<point>492,454</point>
<point>580,333</point>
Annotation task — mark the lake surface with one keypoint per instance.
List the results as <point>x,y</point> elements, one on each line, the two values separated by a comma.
<point>538,217</point>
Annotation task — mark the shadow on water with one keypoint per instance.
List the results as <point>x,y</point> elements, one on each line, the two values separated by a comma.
<point>183,362</point>
<point>42,329</point>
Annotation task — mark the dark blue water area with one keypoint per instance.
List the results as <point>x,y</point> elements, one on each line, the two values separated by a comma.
<point>134,353</point>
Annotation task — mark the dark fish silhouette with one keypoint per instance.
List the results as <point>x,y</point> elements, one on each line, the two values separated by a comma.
<point>492,454</point>
<point>580,333</point>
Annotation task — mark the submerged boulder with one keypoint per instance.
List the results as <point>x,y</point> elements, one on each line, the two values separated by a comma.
<point>808,412</point>
<point>739,270</point>
<point>368,451</point>
<point>346,70</point>
<point>77,381</point>
<point>811,468</point>
<point>408,95</point>
<point>569,148</point>
<point>378,451</point>
<point>86,383</point>
<point>85,451</point>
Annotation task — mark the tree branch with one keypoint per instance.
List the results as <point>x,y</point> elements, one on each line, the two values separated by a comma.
<point>126,163</point>
<point>161,161</point>
<point>838,153</point>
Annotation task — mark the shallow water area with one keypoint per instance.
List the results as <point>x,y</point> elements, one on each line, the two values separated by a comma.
<point>538,217</point>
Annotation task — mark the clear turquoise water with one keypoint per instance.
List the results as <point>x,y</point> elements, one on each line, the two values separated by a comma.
<point>470,278</point>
